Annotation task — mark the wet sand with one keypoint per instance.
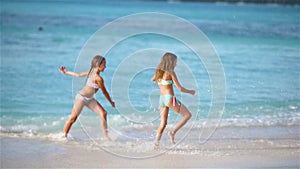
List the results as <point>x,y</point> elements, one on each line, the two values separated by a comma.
<point>282,152</point>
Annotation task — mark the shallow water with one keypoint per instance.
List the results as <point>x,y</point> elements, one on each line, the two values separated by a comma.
<point>258,46</point>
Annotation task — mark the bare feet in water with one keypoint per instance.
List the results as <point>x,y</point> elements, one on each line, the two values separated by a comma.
<point>171,135</point>
<point>106,138</point>
<point>156,145</point>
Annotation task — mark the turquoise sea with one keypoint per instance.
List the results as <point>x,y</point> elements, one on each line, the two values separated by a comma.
<point>258,46</point>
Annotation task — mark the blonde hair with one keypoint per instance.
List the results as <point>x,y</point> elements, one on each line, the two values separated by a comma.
<point>96,61</point>
<point>167,64</point>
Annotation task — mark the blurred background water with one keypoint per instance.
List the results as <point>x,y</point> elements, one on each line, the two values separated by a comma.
<point>259,47</point>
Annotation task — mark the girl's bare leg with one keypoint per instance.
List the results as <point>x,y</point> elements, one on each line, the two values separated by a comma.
<point>98,109</point>
<point>181,109</point>
<point>77,108</point>
<point>164,111</point>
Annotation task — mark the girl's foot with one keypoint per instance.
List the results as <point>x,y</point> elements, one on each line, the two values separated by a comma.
<point>106,138</point>
<point>171,135</point>
<point>156,145</point>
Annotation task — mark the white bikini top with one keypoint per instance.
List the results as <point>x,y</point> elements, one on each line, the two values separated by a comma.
<point>92,84</point>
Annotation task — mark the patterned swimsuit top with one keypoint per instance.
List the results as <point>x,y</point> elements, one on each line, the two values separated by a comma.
<point>92,84</point>
<point>164,82</point>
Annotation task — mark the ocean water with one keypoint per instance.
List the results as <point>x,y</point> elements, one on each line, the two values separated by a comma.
<point>258,46</point>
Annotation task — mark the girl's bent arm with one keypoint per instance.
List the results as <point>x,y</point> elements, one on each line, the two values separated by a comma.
<point>153,78</point>
<point>178,85</point>
<point>100,82</point>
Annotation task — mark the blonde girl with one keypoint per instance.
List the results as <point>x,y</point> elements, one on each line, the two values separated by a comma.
<point>165,77</point>
<point>85,97</point>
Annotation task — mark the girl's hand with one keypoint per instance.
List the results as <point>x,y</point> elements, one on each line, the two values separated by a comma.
<point>192,92</point>
<point>113,104</point>
<point>62,69</point>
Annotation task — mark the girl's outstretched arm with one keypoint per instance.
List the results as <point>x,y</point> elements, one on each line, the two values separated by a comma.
<point>100,82</point>
<point>63,70</point>
<point>179,87</point>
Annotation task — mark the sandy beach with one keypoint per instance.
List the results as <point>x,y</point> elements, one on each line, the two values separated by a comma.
<point>242,59</point>
<point>221,151</point>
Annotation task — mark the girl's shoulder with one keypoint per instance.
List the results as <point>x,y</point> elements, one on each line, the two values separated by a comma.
<point>95,77</point>
<point>98,78</point>
<point>168,75</point>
